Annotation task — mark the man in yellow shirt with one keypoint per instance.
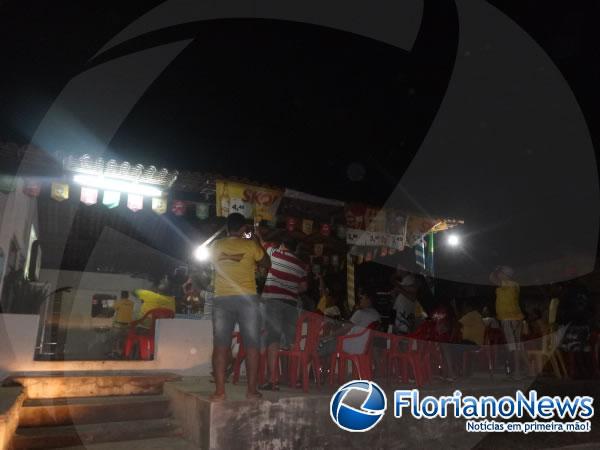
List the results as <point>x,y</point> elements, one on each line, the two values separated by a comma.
<point>508,312</point>
<point>123,316</point>
<point>235,260</point>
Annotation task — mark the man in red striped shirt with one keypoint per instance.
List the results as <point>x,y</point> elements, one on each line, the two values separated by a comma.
<point>285,281</point>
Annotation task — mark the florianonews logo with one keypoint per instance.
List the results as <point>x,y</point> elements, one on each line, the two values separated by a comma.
<point>358,405</point>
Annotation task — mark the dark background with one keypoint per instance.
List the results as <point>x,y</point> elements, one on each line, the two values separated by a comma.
<point>295,105</point>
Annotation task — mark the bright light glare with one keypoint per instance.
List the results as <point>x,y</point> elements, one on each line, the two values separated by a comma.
<point>453,240</point>
<point>109,184</point>
<point>202,253</point>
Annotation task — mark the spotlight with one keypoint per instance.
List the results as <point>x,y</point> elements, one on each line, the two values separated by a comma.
<point>453,240</point>
<point>202,253</point>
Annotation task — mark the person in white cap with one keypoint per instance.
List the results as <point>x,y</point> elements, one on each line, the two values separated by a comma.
<point>508,312</point>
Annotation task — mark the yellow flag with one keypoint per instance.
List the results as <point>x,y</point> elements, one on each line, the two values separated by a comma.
<point>59,191</point>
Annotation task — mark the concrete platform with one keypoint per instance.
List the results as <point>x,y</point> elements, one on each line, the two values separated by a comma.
<point>38,385</point>
<point>290,419</point>
<point>11,399</point>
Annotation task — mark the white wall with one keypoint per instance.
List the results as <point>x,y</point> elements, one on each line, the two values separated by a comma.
<point>77,305</point>
<point>182,346</point>
<point>18,212</point>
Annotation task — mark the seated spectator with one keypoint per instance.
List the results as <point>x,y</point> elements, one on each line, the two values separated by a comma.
<point>405,290</point>
<point>362,318</point>
<point>488,318</point>
<point>472,326</point>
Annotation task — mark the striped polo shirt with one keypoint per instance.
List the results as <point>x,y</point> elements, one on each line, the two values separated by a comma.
<point>285,275</point>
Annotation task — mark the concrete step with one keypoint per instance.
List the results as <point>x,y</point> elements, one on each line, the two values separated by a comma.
<point>90,384</point>
<point>85,410</point>
<point>84,435</point>
<point>168,443</point>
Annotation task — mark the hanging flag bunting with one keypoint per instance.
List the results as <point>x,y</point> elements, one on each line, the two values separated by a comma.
<point>355,216</point>
<point>135,202</point>
<point>111,199</point>
<point>7,183</point>
<point>341,232</point>
<point>59,191</point>
<point>32,188</point>
<point>383,251</point>
<point>202,211</point>
<point>307,226</point>
<point>178,207</point>
<point>335,260</point>
<point>325,229</point>
<point>89,196</point>
<point>290,224</point>
<point>159,204</point>
<point>318,251</point>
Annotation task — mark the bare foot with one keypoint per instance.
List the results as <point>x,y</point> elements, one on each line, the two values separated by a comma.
<point>217,397</point>
<point>253,395</point>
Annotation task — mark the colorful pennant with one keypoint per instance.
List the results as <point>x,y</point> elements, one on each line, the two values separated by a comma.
<point>59,191</point>
<point>135,202</point>
<point>111,199</point>
<point>89,196</point>
<point>159,205</point>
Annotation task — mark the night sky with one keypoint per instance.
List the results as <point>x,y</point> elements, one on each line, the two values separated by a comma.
<point>290,104</point>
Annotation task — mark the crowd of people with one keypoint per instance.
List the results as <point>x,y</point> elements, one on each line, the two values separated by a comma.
<point>266,309</point>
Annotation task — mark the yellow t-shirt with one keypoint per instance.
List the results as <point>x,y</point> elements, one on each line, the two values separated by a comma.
<point>123,311</point>
<point>507,301</point>
<point>152,300</point>
<point>235,261</point>
<point>473,327</point>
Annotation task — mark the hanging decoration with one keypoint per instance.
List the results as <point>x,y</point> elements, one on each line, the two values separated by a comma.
<point>59,191</point>
<point>318,250</point>
<point>355,216</point>
<point>325,229</point>
<point>7,183</point>
<point>291,223</point>
<point>159,204</point>
<point>178,207</point>
<point>307,226</point>
<point>417,227</point>
<point>89,196</point>
<point>202,210</point>
<point>32,188</point>
<point>335,260</point>
<point>340,232</point>
<point>135,202</point>
<point>111,199</point>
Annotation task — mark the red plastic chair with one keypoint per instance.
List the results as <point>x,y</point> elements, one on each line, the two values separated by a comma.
<point>361,363</point>
<point>404,356</point>
<point>482,352</point>
<point>416,351</point>
<point>299,356</point>
<point>145,341</point>
<point>241,357</point>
